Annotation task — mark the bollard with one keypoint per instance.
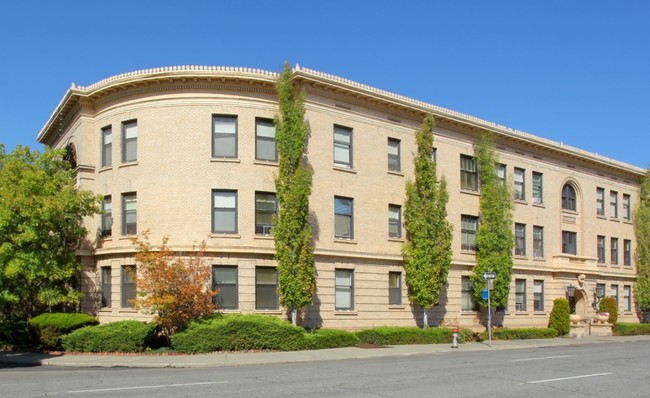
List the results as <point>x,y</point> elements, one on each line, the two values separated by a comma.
<point>454,338</point>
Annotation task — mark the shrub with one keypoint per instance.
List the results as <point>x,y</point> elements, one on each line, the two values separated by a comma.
<point>391,335</point>
<point>559,319</point>
<point>330,338</point>
<point>13,334</point>
<point>46,329</point>
<point>524,333</point>
<point>610,305</point>
<point>631,329</point>
<point>236,332</point>
<point>122,336</point>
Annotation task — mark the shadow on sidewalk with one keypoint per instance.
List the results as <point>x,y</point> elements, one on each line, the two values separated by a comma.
<point>13,359</point>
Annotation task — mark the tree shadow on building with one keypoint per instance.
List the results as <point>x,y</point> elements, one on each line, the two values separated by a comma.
<point>436,314</point>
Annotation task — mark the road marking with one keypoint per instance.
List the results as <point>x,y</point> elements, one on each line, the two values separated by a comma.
<point>540,358</point>
<point>147,387</point>
<point>568,378</point>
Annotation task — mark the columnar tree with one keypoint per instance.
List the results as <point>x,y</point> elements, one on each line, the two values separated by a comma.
<point>642,253</point>
<point>41,213</point>
<point>495,237</point>
<point>427,251</point>
<point>294,251</point>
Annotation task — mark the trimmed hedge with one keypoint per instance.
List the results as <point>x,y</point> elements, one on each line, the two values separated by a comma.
<point>524,333</point>
<point>47,329</point>
<point>560,316</point>
<point>610,305</point>
<point>393,335</point>
<point>631,329</point>
<point>330,338</point>
<point>122,336</point>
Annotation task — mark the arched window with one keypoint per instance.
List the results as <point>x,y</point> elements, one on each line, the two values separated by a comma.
<point>568,198</point>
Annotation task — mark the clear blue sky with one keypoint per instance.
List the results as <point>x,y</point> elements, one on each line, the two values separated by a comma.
<point>572,71</point>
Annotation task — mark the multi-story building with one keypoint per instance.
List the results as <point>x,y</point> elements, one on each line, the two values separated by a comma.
<point>189,152</point>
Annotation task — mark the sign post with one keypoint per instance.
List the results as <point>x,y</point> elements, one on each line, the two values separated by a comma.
<point>489,277</point>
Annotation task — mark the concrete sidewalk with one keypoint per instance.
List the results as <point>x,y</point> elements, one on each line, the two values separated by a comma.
<point>260,358</point>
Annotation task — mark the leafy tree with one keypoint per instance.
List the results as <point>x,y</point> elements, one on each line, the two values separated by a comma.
<point>171,285</point>
<point>41,213</point>
<point>495,238</point>
<point>560,318</point>
<point>291,229</point>
<point>642,254</point>
<point>427,252</point>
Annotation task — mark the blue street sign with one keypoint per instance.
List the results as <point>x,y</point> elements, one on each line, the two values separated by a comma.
<point>485,294</point>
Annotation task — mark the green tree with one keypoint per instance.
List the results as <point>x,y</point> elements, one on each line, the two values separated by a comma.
<point>427,251</point>
<point>41,213</point>
<point>642,254</point>
<point>495,238</point>
<point>294,250</point>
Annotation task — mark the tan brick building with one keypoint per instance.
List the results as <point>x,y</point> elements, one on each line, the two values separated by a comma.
<point>189,152</point>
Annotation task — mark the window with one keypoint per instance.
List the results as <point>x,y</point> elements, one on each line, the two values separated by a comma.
<point>433,154</point>
<point>467,295</point>
<point>342,146</point>
<point>627,298</point>
<point>614,251</point>
<point>468,230</point>
<point>538,241</point>
<point>501,172</point>
<point>393,154</point>
<point>224,136</point>
<point>520,184</point>
<point>627,215</point>
<point>614,293</point>
<point>395,288</point>
<point>600,202</point>
<point>344,289</point>
<point>569,242</point>
<point>265,209</point>
<point>107,146</point>
<point>343,222</point>
<point>129,214</point>
<point>394,221</point>
<point>468,173</point>
<point>627,252</point>
<point>538,295</point>
<point>265,145</point>
<point>266,288</point>
<point>224,278</point>
<point>130,141</point>
<point>568,198</point>
<point>224,211</point>
<point>520,239</point>
<point>600,241</point>
<point>128,285</point>
<point>613,204</point>
<point>107,216</point>
<point>520,295</point>
<point>538,189</point>
<point>106,286</point>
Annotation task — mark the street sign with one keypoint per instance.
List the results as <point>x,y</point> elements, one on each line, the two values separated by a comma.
<point>485,294</point>
<point>489,275</point>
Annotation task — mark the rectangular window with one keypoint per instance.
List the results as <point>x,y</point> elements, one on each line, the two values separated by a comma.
<point>467,295</point>
<point>266,288</point>
<point>394,154</point>
<point>344,289</point>
<point>394,221</point>
<point>569,242</point>
<point>520,239</point>
<point>342,146</point>
<point>520,295</point>
<point>265,209</point>
<point>107,216</point>
<point>614,251</point>
<point>129,214</point>
<point>395,288</point>
<point>627,298</point>
<point>224,136</point>
<point>614,293</point>
<point>343,218</point>
<point>224,211</point>
<point>106,287</point>
<point>129,141</point>
<point>224,278</point>
<point>600,240</point>
<point>468,230</point>
<point>468,173</point>
<point>538,188</point>
<point>600,201</point>
<point>128,285</point>
<point>538,295</point>
<point>501,172</point>
<point>627,208</point>
<point>613,204</point>
<point>520,184</point>
<point>107,146</point>
<point>538,241</point>
<point>627,252</point>
<point>265,146</point>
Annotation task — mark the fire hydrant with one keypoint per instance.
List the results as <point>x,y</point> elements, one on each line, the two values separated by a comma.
<point>454,338</point>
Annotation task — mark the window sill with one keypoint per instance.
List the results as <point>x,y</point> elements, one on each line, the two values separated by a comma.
<point>263,237</point>
<point>521,257</point>
<point>127,311</point>
<point>521,201</point>
<point>399,240</point>
<point>345,240</point>
<point>540,313</point>
<point>127,237</point>
<point>225,160</point>
<point>273,163</point>
<point>269,312</point>
<point>615,219</point>
<point>539,259</point>
<point>104,169</point>
<point>627,222</point>
<point>344,169</point>
<point>106,309</point>
<point>571,212</point>
<point>396,173</point>
<point>601,217</point>
<point>472,252</point>
<point>520,313</point>
<point>540,204</point>
<point>345,313</point>
<point>224,235</point>
<point>128,164</point>
<point>470,192</point>
<point>396,307</point>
